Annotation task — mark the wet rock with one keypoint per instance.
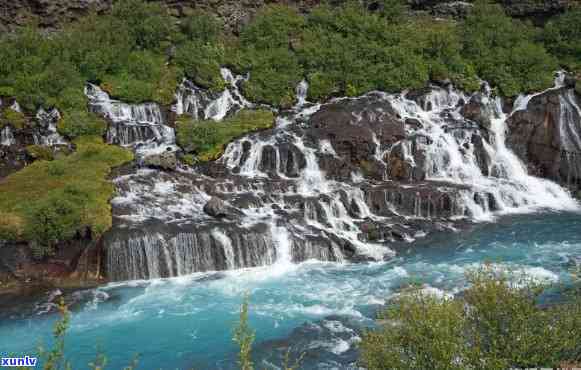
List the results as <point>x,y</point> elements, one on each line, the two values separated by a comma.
<point>166,160</point>
<point>544,136</point>
<point>217,208</point>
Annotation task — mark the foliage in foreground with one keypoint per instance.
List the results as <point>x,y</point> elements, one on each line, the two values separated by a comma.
<point>494,325</point>
<point>50,201</point>
<point>207,139</point>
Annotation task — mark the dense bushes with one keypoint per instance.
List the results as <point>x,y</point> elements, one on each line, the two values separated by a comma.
<point>503,52</point>
<point>495,324</point>
<point>207,139</point>
<point>49,201</point>
<point>349,50</point>
<point>562,37</point>
<point>138,52</point>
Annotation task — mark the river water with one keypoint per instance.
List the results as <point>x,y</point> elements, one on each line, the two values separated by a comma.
<point>314,308</point>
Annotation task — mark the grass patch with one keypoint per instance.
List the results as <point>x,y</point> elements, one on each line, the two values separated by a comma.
<point>208,139</point>
<point>49,201</point>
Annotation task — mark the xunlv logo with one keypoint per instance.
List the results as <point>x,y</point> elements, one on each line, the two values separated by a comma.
<point>18,361</point>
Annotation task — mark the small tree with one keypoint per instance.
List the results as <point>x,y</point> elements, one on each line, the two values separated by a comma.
<point>244,337</point>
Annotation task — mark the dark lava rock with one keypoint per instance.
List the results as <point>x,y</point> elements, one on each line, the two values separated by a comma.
<point>543,135</point>
<point>218,208</point>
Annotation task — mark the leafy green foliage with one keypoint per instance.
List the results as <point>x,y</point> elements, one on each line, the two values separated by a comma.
<point>561,38</point>
<point>40,152</point>
<point>201,62</point>
<point>81,123</point>
<point>496,324</point>
<point>500,48</point>
<point>54,358</point>
<point>244,337</point>
<point>266,53</point>
<point>125,49</point>
<point>201,50</point>
<point>207,139</point>
<point>49,201</point>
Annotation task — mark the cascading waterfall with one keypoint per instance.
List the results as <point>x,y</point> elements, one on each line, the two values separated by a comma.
<point>6,136</point>
<point>452,159</point>
<point>200,104</point>
<point>48,121</point>
<point>141,126</point>
<point>287,210</point>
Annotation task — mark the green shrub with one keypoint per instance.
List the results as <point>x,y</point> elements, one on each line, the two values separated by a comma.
<point>40,152</point>
<point>208,139</point>
<point>494,325</point>
<point>201,63</point>
<point>274,76</point>
<point>80,123</point>
<point>54,218</point>
<point>500,48</point>
<point>561,37</point>
<point>202,27</point>
<point>149,23</point>
<point>274,68</point>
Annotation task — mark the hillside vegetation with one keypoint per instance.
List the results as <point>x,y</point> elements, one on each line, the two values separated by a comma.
<point>138,52</point>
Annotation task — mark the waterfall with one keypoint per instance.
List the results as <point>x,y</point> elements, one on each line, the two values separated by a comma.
<point>201,104</point>
<point>140,126</point>
<point>6,136</point>
<point>48,133</point>
<point>302,92</point>
<point>293,196</point>
<point>452,159</point>
<point>569,122</point>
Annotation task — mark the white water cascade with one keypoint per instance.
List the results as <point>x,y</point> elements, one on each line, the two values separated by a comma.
<point>48,121</point>
<point>297,192</point>
<point>202,104</point>
<point>141,126</point>
<point>452,158</point>
<point>6,136</point>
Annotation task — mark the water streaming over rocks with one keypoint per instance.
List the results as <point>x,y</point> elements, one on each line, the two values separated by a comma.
<point>337,181</point>
<point>202,104</point>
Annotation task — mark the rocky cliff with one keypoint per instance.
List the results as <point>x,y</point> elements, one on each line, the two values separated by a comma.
<point>235,13</point>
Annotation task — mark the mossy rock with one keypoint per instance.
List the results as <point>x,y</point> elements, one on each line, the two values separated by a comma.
<point>13,118</point>
<point>208,139</point>
<point>40,152</point>
<point>81,176</point>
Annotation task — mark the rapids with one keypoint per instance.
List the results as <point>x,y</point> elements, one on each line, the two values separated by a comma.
<point>314,308</point>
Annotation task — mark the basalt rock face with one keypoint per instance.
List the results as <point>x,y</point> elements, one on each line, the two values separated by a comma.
<point>538,11</point>
<point>236,13</point>
<point>48,13</point>
<point>77,262</point>
<point>546,133</point>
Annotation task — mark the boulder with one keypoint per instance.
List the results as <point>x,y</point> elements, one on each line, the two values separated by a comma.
<point>217,208</point>
<point>166,160</point>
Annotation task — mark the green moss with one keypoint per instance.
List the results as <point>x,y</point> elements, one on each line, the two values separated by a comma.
<point>189,159</point>
<point>77,123</point>
<point>13,118</point>
<point>208,139</point>
<point>85,172</point>
<point>40,152</point>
